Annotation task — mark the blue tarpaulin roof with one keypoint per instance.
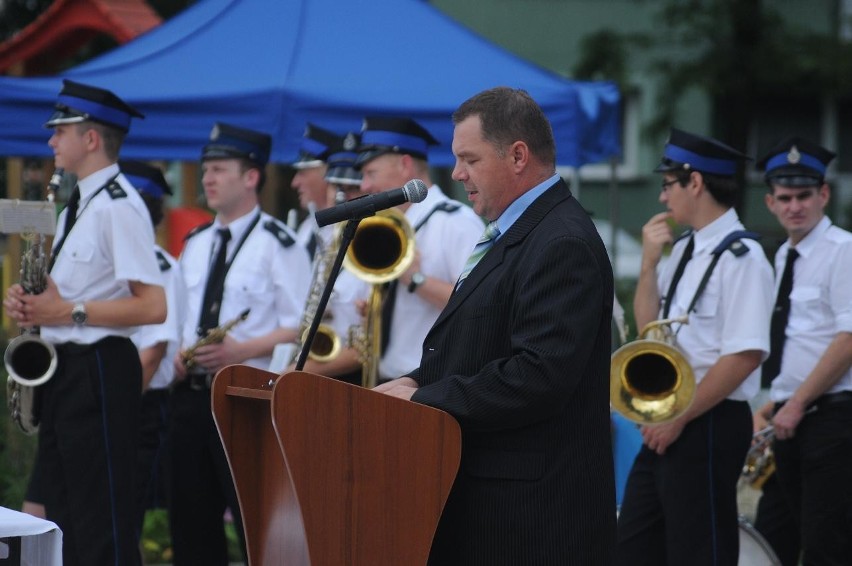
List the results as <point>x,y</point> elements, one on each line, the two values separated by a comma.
<point>273,65</point>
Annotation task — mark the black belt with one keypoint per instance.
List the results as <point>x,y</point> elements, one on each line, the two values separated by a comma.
<point>825,400</point>
<point>75,349</point>
<point>196,382</point>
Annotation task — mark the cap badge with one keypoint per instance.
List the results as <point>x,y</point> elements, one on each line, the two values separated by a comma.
<point>794,156</point>
<point>349,142</point>
<point>214,133</point>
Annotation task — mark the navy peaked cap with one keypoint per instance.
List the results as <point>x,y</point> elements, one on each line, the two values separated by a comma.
<point>78,102</point>
<point>381,135</point>
<point>690,152</point>
<point>315,147</point>
<point>795,162</point>
<point>145,178</point>
<point>233,142</point>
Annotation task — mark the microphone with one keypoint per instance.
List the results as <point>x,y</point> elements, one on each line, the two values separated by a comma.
<point>414,191</point>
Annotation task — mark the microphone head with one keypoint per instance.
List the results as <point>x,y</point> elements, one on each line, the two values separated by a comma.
<point>415,190</point>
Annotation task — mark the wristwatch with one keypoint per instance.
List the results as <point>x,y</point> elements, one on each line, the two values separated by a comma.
<point>78,314</point>
<point>416,281</point>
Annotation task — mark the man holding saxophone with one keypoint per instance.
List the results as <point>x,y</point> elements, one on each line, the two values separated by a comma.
<point>104,281</point>
<point>680,504</point>
<point>245,260</point>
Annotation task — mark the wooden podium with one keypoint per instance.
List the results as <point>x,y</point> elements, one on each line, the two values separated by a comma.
<point>328,473</point>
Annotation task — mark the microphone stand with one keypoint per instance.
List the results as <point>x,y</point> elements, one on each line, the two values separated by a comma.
<point>346,239</point>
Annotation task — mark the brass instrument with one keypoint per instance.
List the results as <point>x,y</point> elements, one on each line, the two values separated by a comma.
<point>326,343</point>
<point>381,251</point>
<point>30,361</point>
<point>760,460</point>
<point>650,380</point>
<point>213,336</point>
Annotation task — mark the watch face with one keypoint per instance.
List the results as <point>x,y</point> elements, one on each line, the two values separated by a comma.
<point>78,314</point>
<point>418,278</point>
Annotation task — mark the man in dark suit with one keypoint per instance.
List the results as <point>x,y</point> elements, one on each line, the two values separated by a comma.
<point>520,355</point>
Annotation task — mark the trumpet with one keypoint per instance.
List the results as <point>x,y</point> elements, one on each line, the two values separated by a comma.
<point>381,251</point>
<point>30,360</point>
<point>213,336</point>
<point>760,460</point>
<point>650,380</point>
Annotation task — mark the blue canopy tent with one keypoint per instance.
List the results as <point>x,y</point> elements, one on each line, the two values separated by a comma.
<point>273,65</point>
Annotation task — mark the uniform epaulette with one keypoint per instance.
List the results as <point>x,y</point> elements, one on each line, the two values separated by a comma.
<point>197,230</point>
<point>162,261</point>
<point>115,191</point>
<point>447,206</point>
<point>279,232</point>
<point>733,242</point>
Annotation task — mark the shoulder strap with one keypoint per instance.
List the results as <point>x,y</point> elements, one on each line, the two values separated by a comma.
<point>115,191</point>
<point>197,230</point>
<point>162,261</point>
<point>733,242</point>
<point>279,232</point>
<point>444,206</point>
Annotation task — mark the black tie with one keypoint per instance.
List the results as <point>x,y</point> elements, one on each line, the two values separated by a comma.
<point>684,259</point>
<point>215,286</point>
<point>387,313</point>
<point>778,327</point>
<point>70,218</point>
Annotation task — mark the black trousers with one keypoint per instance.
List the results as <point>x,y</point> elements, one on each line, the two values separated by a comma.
<point>775,522</point>
<point>152,492</point>
<point>200,482</point>
<point>87,451</point>
<point>815,472</point>
<point>681,508</point>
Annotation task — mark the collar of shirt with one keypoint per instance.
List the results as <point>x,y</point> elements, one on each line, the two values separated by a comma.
<point>520,204</point>
<point>710,236</point>
<point>90,185</point>
<point>807,244</point>
<point>237,227</point>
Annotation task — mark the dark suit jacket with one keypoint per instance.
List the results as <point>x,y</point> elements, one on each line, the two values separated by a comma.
<point>520,357</point>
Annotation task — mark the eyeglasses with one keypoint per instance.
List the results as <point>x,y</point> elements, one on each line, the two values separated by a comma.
<point>664,186</point>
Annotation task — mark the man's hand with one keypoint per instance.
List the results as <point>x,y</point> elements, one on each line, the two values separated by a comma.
<point>45,309</point>
<point>403,388</point>
<point>787,419</point>
<point>656,233</point>
<point>659,437</point>
<point>214,357</point>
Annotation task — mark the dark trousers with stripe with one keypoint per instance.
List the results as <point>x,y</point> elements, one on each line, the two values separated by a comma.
<point>200,482</point>
<point>87,451</point>
<point>681,507</point>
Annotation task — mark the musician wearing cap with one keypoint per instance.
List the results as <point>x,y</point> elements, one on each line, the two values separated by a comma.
<point>104,282</point>
<point>680,504</point>
<point>343,182</point>
<point>808,371</point>
<point>246,280</point>
<point>393,151</point>
<point>309,181</point>
<point>158,345</point>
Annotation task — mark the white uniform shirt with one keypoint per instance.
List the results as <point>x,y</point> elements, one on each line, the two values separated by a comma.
<point>820,305</point>
<point>445,241</point>
<point>732,315</point>
<point>268,276</point>
<point>109,246</point>
<point>168,331</point>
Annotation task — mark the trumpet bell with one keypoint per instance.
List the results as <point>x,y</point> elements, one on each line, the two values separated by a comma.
<point>382,248</point>
<point>30,360</point>
<point>651,382</point>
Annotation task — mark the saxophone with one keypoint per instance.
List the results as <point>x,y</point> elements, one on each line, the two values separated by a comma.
<point>326,343</point>
<point>213,336</point>
<point>30,361</point>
